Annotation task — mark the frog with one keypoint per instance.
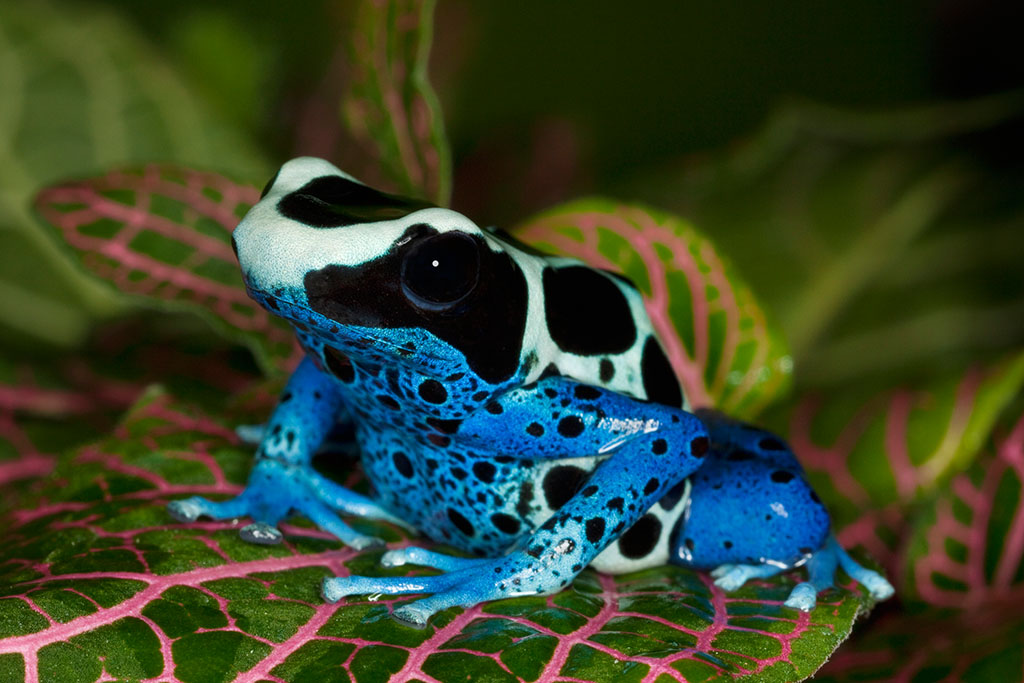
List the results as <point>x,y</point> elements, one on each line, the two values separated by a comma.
<point>514,405</point>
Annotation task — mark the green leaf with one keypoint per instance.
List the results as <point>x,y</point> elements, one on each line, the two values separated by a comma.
<point>97,580</point>
<point>82,90</point>
<point>870,459</point>
<point>389,106</point>
<point>934,646</point>
<point>724,349</point>
<point>882,250</point>
<point>162,233</point>
<point>967,549</point>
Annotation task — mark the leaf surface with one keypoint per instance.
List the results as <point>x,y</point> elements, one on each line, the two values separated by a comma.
<point>724,349</point>
<point>162,233</point>
<point>871,458</point>
<point>967,550</point>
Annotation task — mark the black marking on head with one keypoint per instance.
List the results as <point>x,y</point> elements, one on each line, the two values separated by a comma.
<point>570,427</point>
<point>339,364</point>
<point>699,447</point>
<point>586,313</point>
<point>585,392</point>
<point>433,391</point>
<point>771,444</point>
<point>595,529</point>
<point>506,524</point>
<point>641,538</point>
<point>487,326</point>
<point>607,370</point>
<point>525,498</point>
<point>782,476</point>
<point>535,429</point>
<point>652,486</point>
<point>402,464</point>
<point>494,408</point>
<point>459,473</point>
<point>660,382</point>
<point>589,491</point>
<point>439,440</point>
<point>332,202</point>
<point>460,522</point>
<point>484,471</point>
<point>561,483</point>
<point>659,446</point>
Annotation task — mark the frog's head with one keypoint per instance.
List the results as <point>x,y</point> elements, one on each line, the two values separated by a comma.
<point>375,273</point>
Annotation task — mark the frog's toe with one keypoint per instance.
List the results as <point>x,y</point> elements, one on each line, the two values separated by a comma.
<point>251,434</point>
<point>187,510</point>
<point>361,543</point>
<point>877,585</point>
<point>730,577</point>
<point>804,597</point>
<point>191,509</point>
<point>334,589</point>
<point>261,533</point>
<point>413,614</point>
<point>427,558</point>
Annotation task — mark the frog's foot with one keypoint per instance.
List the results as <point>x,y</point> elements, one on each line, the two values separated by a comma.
<point>821,569</point>
<point>277,490</point>
<point>468,582</point>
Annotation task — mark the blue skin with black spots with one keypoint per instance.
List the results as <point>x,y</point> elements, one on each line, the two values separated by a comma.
<point>509,403</point>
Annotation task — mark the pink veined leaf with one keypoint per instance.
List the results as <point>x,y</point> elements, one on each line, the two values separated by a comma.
<point>389,106</point>
<point>870,459</point>
<point>162,233</point>
<point>722,346</point>
<point>968,549</point>
<point>98,582</point>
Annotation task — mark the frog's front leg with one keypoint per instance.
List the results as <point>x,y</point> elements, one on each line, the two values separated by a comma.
<point>283,481</point>
<point>649,449</point>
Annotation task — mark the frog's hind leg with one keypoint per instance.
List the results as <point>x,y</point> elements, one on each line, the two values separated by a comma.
<point>730,577</point>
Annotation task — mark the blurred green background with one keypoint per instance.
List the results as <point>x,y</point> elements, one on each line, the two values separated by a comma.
<point>859,161</point>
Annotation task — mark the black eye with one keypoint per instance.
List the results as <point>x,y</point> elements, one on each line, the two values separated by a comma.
<point>441,270</point>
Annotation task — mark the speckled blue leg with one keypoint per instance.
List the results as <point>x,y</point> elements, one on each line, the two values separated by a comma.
<point>282,481</point>
<point>649,448</point>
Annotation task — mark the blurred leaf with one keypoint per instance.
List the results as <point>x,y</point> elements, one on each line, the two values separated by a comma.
<point>977,648</point>
<point>869,459</point>
<point>967,550</point>
<point>99,581</point>
<point>162,232</point>
<point>389,105</point>
<point>725,351</point>
<point>82,91</point>
<point>882,250</point>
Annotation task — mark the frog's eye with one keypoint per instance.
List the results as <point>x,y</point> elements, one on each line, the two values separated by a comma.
<point>441,270</point>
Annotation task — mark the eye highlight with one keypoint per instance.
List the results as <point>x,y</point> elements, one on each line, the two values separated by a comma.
<point>441,270</point>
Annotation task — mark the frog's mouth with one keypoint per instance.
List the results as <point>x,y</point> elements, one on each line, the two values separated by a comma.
<point>306,319</point>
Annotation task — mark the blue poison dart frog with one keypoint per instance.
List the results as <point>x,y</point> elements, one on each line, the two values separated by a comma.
<point>509,403</point>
